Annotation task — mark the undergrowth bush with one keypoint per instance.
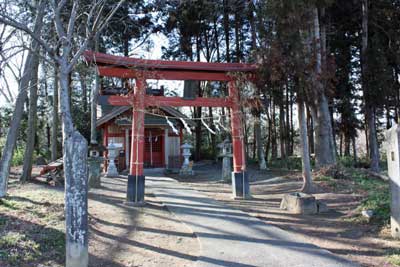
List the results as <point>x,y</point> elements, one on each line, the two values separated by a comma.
<point>378,198</point>
<point>291,163</point>
<point>18,157</point>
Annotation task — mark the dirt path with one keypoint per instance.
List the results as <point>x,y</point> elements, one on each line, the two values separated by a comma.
<point>230,237</point>
<point>127,236</point>
<point>362,243</point>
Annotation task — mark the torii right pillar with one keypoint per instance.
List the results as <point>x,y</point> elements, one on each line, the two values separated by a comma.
<point>240,179</point>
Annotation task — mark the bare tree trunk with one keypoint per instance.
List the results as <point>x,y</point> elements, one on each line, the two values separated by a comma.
<point>354,149</point>
<point>226,29</point>
<point>274,147</point>
<point>373,140</point>
<point>347,142</point>
<point>305,154</point>
<point>258,142</point>
<point>30,142</point>
<point>54,129</point>
<point>282,135</point>
<point>369,107</point>
<point>93,104</point>
<point>287,124</point>
<point>76,175</point>
<point>341,145</point>
<point>8,150</point>
<point>310,130</point>
<point>82,80</point>
<point>324,152</point>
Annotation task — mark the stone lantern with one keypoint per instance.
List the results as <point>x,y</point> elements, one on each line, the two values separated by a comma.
<point>94,162</point>
<point>113,152</point>
<point>226,154</point>
<point>186,168</point>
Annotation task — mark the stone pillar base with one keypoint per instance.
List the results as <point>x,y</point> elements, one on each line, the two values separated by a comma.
<point>112,171</point>
<point>135,190</point>
<point>240,185</point>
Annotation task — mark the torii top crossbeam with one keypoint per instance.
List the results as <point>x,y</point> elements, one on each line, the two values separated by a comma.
<point>125,67</point>
<point>142,69</point>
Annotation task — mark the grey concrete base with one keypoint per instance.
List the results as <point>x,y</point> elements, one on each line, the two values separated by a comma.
<point>240,185</point>
<point>230,237</point>
<point>242,198</point>
<point>135,190</point>
<point>94,164</point>
<point>299,203</point>
<point>76,255</point>
<point>134,204</point>
<point>112,171</point>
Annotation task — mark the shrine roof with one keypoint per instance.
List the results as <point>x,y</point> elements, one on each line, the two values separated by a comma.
<point>102,59</point>
<point>116,111</point>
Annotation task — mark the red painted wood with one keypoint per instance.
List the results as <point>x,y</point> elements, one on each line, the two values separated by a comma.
<point>157,148</point>
<point>179,102</point>
<point>116,135</point>
<point>157,101</point>
<point>163,74</point>
<point>239,163</point>
<point>137,145</point>
<point>147,64</point>
<point>116,100</point>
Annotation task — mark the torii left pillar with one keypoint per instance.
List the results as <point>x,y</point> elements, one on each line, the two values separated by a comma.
<point>136,178</point>
<point>240,179</point>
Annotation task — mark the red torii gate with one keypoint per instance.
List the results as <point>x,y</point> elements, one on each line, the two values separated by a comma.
<point>142,69</point>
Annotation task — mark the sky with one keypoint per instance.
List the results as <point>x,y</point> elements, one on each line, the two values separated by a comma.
<point>159,40</point>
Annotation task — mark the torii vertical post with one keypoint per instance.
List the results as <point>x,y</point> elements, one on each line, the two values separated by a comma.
<point>240,180</point>
<point>136,179</point>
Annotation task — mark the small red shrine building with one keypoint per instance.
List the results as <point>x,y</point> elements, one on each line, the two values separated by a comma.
<point>162,144</point>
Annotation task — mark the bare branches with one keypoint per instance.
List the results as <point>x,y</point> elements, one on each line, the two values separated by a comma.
<point>5,19</point>
<point>57,18</point>
<point>72,19</point>
<point>94,30</point>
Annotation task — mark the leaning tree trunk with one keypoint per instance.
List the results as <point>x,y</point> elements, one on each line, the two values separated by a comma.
<point>82,80</point>
<point>93,104</point>
<point>259,146</point>
<point>76,184</point>
<point>305,154</point>
<point>8,150</point>
<point>30,142</point>
<point>373,139</point>
<point>324,152</point>
<point>369,105</point>
<point>54,129</point>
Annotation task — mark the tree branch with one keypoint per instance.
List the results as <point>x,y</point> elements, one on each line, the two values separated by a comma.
<point>17,25</point>
<point>92,33</point>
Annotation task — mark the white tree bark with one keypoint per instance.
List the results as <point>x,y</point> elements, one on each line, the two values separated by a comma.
<point>75,145</point>
<point>259,146</point>
<point>8,150</point>
<point>30,142</point>
<point>305,154</point>
<point>93,104</point>
<point>324,143</point>
<point>54,129</point>
<point>369,107</point>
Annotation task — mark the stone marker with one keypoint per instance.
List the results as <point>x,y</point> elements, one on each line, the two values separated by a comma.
<point>299,203</point>
<point>393,160</point>
<point>226,154</point>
